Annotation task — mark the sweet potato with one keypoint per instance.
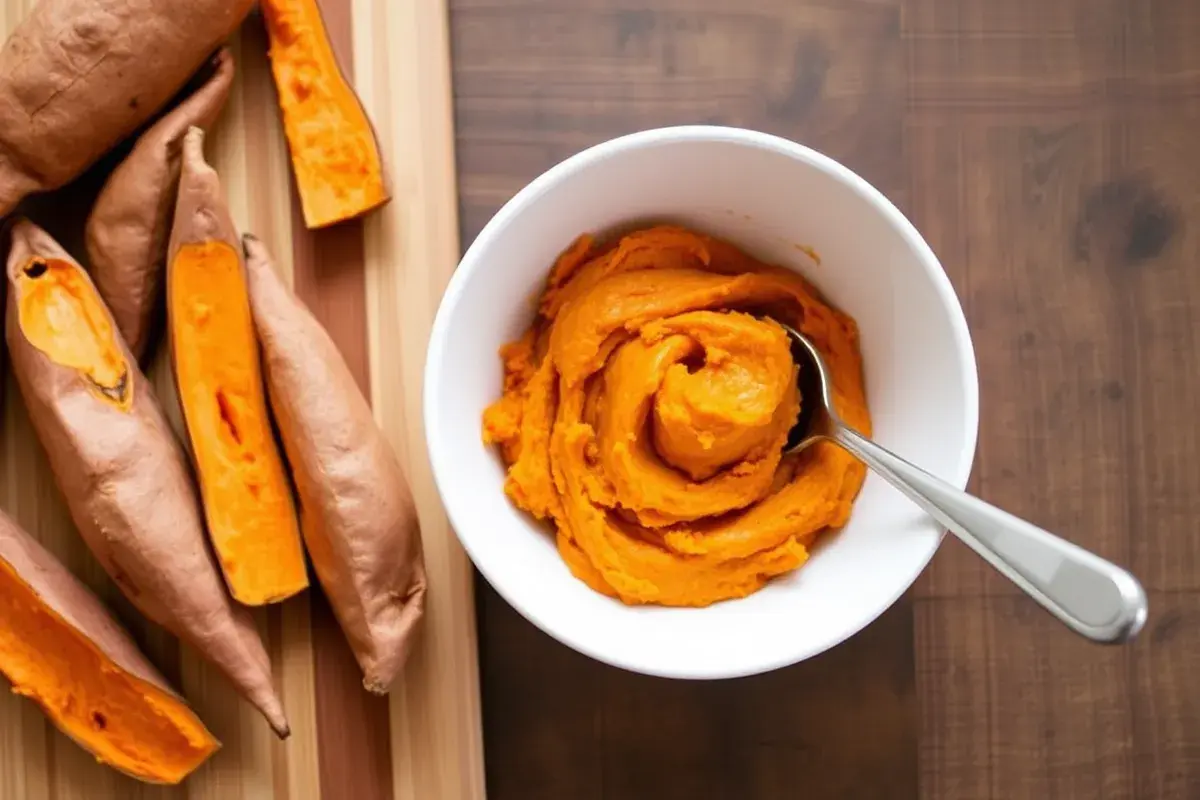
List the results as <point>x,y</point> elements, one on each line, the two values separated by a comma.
<point>218,377</point>
<point>79,76</point>
<point>118,464</point>
<point>61,649</point>
<point>335,155</point>
<point>356,511</point>
<point>127,231</point>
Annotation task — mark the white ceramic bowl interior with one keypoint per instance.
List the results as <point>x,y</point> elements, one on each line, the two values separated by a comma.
<point>767,195</point>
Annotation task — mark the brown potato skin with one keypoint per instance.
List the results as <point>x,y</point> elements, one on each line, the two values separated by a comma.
<point>130,494</point>
<point>200,211</point>
<point>356,510</point>
<point>78,76</point>
<point>59,591</point>
<point>126,234</point>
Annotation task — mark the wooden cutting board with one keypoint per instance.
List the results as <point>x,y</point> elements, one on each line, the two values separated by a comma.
<point>375,285</point>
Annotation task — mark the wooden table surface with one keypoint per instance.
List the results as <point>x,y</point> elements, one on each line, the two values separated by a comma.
<point>1049,150</point>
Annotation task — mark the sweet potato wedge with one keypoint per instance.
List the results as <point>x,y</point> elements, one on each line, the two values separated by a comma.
<point>79,76</point>
<point>218,377</point>
<point>118,464</point>
<point>335,155</point>
<point>356,510</point>
<point>127,231</point>
<point>61,648</point>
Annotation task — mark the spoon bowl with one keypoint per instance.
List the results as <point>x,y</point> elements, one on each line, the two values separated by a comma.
<point>817,420</point>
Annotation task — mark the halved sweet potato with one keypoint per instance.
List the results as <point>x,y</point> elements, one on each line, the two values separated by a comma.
<point>218,376</point>
<point>61,648</point>
<point>335,155</point>
<point>118,464</point>
<point>127,230</point>
<point>79,76</point>
<point>356,510</point>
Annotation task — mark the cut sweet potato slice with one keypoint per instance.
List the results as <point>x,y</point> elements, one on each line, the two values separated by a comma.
<point>356,510</point>
<point>247,496</point>
<point>118,464</point>
<point>61,648</point>
<point>127,230</point>
<point>335,155</point>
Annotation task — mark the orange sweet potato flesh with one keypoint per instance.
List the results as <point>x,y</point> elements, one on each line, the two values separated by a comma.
<point>335,155</point>
<point>60,648</point>
<point>79,76</point>
<point>646,410</point>
<point>128,228</point>
<point>247,497</point>
<point>58,295</point>
<point>356,510</point>
<point>118,465</point>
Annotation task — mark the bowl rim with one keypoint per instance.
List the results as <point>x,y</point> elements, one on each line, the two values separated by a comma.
<point>431,410</point>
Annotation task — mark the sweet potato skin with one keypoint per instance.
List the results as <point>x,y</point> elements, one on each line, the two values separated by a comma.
<point>356,510</point>
<point>200,213</point>
<point>78,76</point>
<point>60,592</point>
<point>127,487</point>
<point>127,230</point>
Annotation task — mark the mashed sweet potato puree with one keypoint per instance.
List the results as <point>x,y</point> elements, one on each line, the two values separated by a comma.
<point>645,413</point>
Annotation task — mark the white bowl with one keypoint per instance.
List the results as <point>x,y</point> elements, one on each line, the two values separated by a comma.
<point>767,195</point>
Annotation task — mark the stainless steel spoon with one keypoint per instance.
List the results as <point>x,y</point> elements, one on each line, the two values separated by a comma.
<point>1091,596</point>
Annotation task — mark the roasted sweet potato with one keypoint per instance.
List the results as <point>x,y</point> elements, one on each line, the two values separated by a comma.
<point>79,76</point>
<point>127,230</point>
<point>356,511</point>
<point>118,464</point>
<point>61,649</point>
<point>218,377</point>
<point>335,155</point>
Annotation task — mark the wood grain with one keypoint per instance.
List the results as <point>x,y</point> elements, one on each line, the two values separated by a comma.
<point>560,725</point>
<point>1052,169</point>
<point>538,80</point>
<point>375,286</point>
<point>411,247</point>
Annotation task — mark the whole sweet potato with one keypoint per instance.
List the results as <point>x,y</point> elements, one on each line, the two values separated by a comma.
<point>118,464</point>
<point>356,510</point>
<point>79,76</point>
<point>127,230</point>
<point>62,649</point>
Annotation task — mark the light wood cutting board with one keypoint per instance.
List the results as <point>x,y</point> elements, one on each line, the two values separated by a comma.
<point>375,285</point>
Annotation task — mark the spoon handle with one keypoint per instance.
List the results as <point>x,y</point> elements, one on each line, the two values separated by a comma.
<point>1092,596</point>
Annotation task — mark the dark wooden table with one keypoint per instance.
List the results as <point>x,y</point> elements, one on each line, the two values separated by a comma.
<point>1050,152</point>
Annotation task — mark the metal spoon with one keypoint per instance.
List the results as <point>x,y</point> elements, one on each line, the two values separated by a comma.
<point>1091,596</point>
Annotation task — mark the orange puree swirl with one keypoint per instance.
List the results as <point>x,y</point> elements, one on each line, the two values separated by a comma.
<point>645,411</point>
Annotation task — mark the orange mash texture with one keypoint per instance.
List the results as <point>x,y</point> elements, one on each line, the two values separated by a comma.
<point>645,411</point>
